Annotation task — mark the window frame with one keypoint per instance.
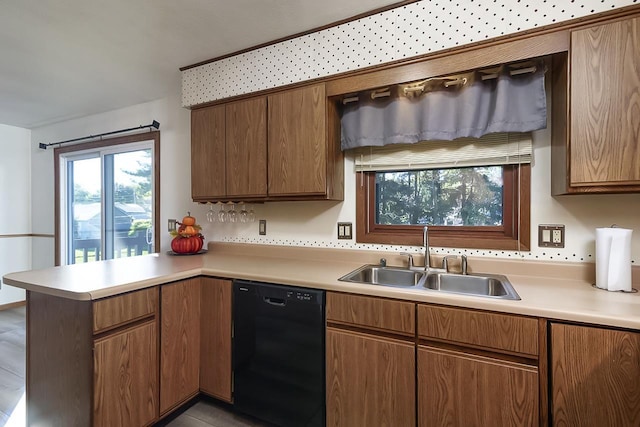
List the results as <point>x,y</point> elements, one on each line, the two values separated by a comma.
<point>515,234</point>
<point>104,145</point>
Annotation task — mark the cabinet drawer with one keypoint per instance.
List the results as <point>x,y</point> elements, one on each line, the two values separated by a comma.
<point>112,312</point>
<point>516,334</point>
<point>371,312</point>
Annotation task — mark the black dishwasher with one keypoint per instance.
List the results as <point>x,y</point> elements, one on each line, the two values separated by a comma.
<point>278,353</point>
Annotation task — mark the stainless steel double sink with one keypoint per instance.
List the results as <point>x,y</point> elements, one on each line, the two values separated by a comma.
<point>484,285</point>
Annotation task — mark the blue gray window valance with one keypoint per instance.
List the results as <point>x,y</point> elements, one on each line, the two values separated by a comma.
<point>467,106</point>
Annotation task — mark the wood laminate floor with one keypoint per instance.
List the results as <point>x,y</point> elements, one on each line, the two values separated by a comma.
<point>12,365</point>
<point>204,413</point>
<point>207,412</point>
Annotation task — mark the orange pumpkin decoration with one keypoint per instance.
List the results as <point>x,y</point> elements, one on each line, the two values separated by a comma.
<point>188,220</point>
<point>189,230</point>
<point>187,245</point>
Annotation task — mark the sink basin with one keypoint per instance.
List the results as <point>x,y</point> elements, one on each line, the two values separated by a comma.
<point>486,285</point>
<point>386,276</point>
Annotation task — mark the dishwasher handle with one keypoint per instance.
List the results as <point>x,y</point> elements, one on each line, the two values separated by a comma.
<point>275,301</point>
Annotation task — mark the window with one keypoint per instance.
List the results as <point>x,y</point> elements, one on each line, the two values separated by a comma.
<point>449,152</point>
<point>107,198</point>
<point>469,207</point>
<point>457,196</point>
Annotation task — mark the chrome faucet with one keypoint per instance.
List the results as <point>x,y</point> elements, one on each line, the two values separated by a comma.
<point>445,262</point>
<point>463,263</point>
<point>410,259</point>
<point>425,243</point>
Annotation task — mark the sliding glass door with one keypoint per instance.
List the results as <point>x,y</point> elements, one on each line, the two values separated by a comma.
<point>107,202</point>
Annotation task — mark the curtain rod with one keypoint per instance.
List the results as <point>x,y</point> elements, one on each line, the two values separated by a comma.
<point>486,73</point>
<point>154,124</point>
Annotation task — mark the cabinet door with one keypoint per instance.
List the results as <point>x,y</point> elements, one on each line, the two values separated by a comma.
<point>605,76</point>
<point>467,390</point>
<point>370,380</point>
<point>595,376</point>
<point>297,142</point>
<point>215,348</point>
<point>208,153</point>
<point>126,377</point>
<point>246,158</point>
<point>180,342</point>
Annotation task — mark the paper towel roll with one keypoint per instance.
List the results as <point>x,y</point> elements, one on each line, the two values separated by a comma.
<point>613,259</point>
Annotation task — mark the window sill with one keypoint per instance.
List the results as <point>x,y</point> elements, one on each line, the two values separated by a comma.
<point>448,239</point>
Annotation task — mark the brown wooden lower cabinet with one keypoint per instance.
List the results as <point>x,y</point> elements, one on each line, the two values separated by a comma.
<point>179,343</point>
<point>370,380</point>
<point>126,377</point>
<point>595,376</point>
<point>80,375</point>
<point>129,359</point>
<point>460,389</point>
<point>215,345</point>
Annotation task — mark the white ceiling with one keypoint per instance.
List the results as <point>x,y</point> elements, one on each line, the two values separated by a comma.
<point>61,59</point>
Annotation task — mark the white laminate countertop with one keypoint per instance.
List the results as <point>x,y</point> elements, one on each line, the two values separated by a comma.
<point>564,298</point>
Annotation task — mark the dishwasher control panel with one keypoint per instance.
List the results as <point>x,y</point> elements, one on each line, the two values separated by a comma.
<point>301,296</point>
<point>279,294</point>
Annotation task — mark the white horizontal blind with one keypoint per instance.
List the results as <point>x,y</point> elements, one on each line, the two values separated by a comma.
<point>491,149</point>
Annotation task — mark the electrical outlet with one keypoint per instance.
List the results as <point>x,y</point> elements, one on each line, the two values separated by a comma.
<point>172,225</point>
<point>344,230</point>
<point>551,236</point>
<point>262,227</point>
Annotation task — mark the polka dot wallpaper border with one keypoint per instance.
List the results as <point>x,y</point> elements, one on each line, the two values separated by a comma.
<point>559,255</point>
<point>414,29</point>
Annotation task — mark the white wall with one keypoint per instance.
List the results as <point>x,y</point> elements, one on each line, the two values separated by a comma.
<point>175,177</point>
<point>421,27</point>
<point>392,35</point>
<point>15,208</point>
<point>314,223</point>
<point>310,223</point>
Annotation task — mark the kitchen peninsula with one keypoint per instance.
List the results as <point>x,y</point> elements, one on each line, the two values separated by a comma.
<point>85,322</point>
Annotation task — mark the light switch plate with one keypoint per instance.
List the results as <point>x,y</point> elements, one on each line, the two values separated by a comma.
<point>172,225</point>
<point>345,230</point>
<point>551,235</point>
<point>262,227</point>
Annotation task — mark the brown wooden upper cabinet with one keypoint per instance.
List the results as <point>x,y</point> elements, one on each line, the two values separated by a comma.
<point>595,121</point>
<point>229,151</point>
<point>208,153</point>
<point>304,152</point>
<point>286,147</point>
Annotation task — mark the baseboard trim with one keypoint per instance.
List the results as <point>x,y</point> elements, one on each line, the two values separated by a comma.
<point>11,305</point>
